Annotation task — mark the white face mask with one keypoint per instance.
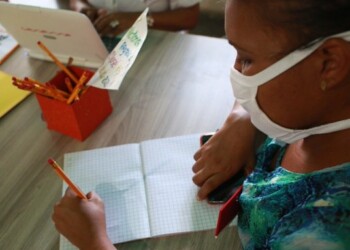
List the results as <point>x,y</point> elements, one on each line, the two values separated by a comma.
<point>245,90</point>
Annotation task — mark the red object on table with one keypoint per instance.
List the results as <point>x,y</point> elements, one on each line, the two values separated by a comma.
<point>79,119</point>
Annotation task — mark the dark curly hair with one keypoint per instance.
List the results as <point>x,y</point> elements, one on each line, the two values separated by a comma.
<point>304,20</point>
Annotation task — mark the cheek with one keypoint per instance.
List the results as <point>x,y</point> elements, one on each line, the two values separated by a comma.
<point>283,100</point>
<point>269,100</point>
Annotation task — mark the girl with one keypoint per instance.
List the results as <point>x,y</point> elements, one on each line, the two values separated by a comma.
<point>292,76</point>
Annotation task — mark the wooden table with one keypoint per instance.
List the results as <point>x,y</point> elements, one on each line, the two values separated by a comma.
<point>178,85</point>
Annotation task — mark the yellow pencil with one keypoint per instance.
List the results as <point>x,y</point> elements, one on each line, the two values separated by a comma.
<point>58,63</point>
<point>77,88</point>
<point>65,178</point>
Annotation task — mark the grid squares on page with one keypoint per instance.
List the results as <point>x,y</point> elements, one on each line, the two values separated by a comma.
<point>167,195</point>
<point>171,193</point>
<point>115,173</point>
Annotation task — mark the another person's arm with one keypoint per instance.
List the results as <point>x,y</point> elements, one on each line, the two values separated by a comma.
<point>78,5</point>
<point>84,7</point>
<point>82,222</point>
<point>230,149</point>
<point>172,20</point>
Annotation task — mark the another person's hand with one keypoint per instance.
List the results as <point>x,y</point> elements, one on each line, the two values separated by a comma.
<point>78,5</point>
<point>111,24</point>
<point>90,12</point>
<point>81,221</point>
<point>230,149</point>
<point>87,9</point>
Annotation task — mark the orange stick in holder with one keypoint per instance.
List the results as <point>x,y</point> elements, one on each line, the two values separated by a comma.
<point>48,87</point>
<point>58,63</point>
<point>39,88</point>
<point>77,88</point>
<point>81,118</point>
<point>70,61</point>
<point>68,84</point>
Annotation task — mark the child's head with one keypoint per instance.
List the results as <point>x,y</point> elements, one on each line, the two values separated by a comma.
<point>314,91</point>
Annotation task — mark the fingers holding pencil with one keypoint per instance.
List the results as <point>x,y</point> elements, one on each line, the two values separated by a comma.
<point>82,221</point>
<point>66,179</point>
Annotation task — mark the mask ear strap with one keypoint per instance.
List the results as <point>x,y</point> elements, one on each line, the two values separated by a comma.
<point>283,64</point>
<point>275,69</point>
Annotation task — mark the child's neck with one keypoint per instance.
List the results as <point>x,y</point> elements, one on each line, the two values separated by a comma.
<point>318,152</point>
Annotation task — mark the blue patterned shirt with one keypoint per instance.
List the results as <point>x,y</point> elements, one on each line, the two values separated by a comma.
<point>286,210</point>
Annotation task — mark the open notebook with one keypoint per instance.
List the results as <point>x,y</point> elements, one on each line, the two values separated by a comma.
<point>147,188</point>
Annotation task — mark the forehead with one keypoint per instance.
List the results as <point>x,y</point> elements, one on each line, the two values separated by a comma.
<point>246,28</point>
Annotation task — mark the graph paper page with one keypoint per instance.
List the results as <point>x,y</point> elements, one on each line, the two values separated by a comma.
<point>171,194</point>
<point>147,188</point>
<point>115,174</point>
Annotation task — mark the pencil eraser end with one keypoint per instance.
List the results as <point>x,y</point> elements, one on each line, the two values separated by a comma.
<point>50,161</point>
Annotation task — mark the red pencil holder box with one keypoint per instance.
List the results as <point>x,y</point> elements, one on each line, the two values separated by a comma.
<point>80,118</point>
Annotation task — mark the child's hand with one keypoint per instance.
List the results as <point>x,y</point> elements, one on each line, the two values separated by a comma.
<point>82,221</point>
<point>123,21</point>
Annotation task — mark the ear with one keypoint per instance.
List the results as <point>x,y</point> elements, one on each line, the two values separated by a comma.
<point>336,58</point>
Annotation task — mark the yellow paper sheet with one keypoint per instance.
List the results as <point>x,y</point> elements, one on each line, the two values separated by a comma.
<point>10,95</point>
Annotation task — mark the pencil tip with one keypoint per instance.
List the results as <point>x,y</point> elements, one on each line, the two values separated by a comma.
<point>50,161</point>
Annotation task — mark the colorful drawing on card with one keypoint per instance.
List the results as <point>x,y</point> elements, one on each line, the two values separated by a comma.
<point>112,72</point>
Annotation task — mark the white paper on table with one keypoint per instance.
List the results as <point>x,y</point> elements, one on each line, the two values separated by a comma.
<point>112,72</point>
<point>147,188</point>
